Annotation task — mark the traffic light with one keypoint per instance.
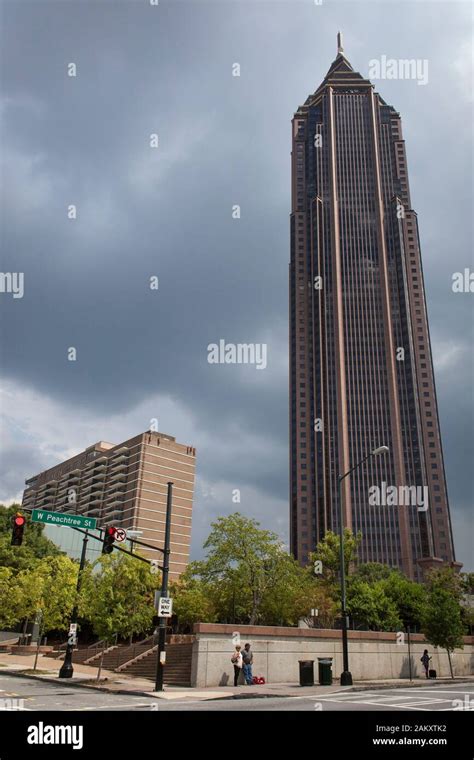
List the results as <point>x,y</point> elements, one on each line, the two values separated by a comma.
<point>109,540</point>
<point>18,528</point>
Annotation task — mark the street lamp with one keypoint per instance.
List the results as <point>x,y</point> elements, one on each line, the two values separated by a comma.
<point>131,534</point>
<point>346,675</point>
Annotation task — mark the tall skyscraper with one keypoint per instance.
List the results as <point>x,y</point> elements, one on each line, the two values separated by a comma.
<point>361,372</point>
<point>125,485</point>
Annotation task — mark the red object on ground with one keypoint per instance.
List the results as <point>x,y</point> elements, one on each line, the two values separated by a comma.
<point>258,680</point>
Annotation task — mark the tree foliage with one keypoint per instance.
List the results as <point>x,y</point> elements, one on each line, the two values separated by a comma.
<point>9,599</point>
<point>370,605</point>
<point>442,623</point>
<point>247,577</point>
<point>248,564</point>
<point>46,592</point>
<point>328,553</point>
<point>409,597</point>
<point>117,595</point>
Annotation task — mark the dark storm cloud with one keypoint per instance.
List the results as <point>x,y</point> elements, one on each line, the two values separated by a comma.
<point>223,140</point>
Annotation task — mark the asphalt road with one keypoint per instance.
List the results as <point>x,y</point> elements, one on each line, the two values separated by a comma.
<point>31,695</point>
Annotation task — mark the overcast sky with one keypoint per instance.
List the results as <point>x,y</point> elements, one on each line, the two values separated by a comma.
<point>223,140</point>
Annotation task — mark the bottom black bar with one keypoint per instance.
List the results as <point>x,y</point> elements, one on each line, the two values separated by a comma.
<point>375,734</point>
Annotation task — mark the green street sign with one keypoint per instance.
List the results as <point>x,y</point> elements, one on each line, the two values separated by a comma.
<point>60,518</point>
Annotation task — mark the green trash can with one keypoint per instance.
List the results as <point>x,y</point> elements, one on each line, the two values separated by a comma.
<point>306,672</point>
<point>325,671</point>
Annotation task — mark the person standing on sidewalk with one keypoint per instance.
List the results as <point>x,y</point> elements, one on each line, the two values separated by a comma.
<point>425,659</point>
<point>247,657</point>
<point>237,662</point>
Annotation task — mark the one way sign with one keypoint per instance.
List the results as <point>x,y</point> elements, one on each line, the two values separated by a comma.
<point>165,607</point>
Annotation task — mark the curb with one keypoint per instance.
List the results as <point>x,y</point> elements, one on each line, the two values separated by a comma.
<point>108,690</point>
<point>74,684</point>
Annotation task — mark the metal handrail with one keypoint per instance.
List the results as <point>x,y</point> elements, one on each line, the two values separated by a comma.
<point>59,649</point>
<point>97,644</point>
<point>152,640</point>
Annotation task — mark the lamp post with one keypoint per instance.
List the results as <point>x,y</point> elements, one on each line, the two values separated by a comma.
<point>161,654</point>
<point>346,675</point>
<point>67,669</point>
<point>131,534</point>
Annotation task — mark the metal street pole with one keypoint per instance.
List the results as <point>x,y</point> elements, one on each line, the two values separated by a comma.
<point>40,635</point>
<point>346,675</point>
<point>409,652</point>
<point>66,669</point>
<point>160,662</point>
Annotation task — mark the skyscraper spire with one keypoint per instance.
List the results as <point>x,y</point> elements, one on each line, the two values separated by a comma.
<point>340,46</point>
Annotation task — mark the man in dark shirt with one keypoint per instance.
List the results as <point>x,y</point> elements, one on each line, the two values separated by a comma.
<point>247,657</point>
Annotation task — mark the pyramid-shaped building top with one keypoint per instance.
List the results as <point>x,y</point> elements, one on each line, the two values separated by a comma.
<point>340,75</point>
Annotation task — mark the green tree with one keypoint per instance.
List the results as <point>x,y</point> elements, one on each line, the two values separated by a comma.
<point>467,581</point>
<point>294,594</point>
<point>327,596</point>
<point>193,602</point>
<point>409,598</point>
<point>117,595</point>
<point>245,561</point>
<point>448,579</point>
<point>373,571</point>
<point>328,553</point>
<point>57,578</point>
<point>317,594</point>
<point>35,545</point>
<point>442,623</point>
<point>369,604</point>
<point>10,611</point>
<point>247,578</point>
<point>47,592</point>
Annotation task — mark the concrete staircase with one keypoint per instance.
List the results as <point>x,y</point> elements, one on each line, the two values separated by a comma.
<point>78,655</point>
<point>139,659</point>
<point>116,656</point>
<point>177,668</point>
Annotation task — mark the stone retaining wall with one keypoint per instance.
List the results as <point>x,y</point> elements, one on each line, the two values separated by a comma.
<point>372,655</point>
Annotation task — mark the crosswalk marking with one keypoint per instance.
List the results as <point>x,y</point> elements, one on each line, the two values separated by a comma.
<point>113,707</point>
<point>424,699</point>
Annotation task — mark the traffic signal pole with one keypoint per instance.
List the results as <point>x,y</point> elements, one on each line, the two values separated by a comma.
<point>160,663</point>
<point>66,669</point>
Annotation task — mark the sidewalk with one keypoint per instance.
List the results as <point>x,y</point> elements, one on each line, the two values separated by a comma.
<point>117,683</point>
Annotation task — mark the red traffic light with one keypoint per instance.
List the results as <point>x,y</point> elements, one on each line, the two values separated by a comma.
<point>18,526</point>
<point>109,540</point>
